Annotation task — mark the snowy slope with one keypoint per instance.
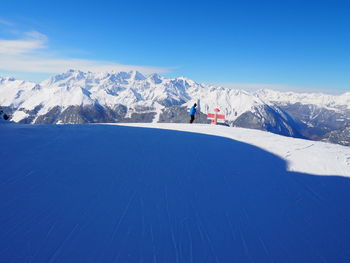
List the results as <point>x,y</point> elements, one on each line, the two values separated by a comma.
<point>304,156</point>
<point>108,193</point>
<point>15,92</point>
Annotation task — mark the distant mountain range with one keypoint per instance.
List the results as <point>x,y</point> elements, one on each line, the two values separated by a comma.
<point>84,97</point>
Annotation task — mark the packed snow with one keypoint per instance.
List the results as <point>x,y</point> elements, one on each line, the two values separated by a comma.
<point>112,193</point>
<point>304,156</point>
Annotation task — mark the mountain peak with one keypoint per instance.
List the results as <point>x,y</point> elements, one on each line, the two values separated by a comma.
<point>7,79</point>
<point>68,75</point>
<point>136,75</point>
<point>155,78</point>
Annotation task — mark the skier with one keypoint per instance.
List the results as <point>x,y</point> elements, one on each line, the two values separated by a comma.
<point>193,112</point>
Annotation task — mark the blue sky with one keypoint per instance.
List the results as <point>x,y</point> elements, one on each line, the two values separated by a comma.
<point>283,44</point>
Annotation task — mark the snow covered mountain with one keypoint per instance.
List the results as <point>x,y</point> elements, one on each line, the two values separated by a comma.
<point>133,90</point>
<point>86,97</point>
<point>78,97</point>
<point>331,102</point>
<point>317,116</point>
<point>340,136</point>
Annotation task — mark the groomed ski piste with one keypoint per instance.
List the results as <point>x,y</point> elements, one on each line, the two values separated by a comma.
<point>318,158</point>
<point>170,193</point>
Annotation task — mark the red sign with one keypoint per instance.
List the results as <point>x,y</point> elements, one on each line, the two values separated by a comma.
<point>218,116</point>
<point>215,116</point>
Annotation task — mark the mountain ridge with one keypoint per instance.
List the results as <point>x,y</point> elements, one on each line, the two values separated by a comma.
<point>82,97</point>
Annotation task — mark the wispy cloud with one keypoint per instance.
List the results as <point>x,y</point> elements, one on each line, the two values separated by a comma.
<point>56,65</point>
<point>257,86</point>
<point>6,22</point>
<point>31,53</point>
<point>32,41</point>
<point>280,87</point>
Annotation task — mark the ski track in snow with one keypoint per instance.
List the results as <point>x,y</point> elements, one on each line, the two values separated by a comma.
<point>117,193</point>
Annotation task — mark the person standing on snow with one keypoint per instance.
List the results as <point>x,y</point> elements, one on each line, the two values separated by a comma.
<point>193,112</point>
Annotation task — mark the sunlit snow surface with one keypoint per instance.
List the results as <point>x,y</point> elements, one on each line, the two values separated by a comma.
<point>108,193</point>
<point>304,156</point>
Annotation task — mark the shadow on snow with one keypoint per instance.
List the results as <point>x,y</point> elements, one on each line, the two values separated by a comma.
<point>124,194</point>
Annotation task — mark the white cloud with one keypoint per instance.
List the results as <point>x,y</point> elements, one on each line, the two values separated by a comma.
<point>32,64</point>
<point>33,41</point>
<point>31,54</point>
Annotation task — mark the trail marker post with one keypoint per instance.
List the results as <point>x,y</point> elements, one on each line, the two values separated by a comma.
<point>214,117</point>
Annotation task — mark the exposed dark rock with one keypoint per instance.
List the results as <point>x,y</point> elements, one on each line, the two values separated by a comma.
<point>341,136</point>
<point>314,122</point>
<point>81,114</point>
<point>3,115</point>
<point>268,119</point>
<point>143,108</point>
<point>32,114</point>
<point>180,114</point>
<point>295,120</point>
<point>8,110</point>
<point>171,102</point>
<point>140,117</point>
<point>50,117</point>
